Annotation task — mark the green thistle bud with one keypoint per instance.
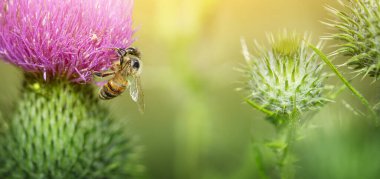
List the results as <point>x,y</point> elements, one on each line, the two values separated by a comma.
<point>286,78</point>
<point>59,130</point>
<point>358,32</point>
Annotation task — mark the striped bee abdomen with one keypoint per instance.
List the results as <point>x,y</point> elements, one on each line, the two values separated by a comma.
<point>111,89</point>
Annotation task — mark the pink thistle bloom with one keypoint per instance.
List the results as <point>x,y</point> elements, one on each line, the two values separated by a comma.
<point>64,38</point>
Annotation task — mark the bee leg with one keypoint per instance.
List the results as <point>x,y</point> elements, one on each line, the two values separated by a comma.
<point>125,83</point>
<point>123,62</point>
<point>103,74</point>
<point>115,66</point>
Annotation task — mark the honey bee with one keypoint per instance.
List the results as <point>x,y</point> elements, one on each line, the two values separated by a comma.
<point>124,73</point>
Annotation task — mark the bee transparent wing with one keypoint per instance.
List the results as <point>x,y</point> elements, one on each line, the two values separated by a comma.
<point>136,92</point>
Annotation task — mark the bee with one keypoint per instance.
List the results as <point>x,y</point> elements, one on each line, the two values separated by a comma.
<point>124,73</point>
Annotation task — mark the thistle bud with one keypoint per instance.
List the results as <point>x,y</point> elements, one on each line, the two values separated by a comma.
<point>357,31</point>
<point>285,78</point>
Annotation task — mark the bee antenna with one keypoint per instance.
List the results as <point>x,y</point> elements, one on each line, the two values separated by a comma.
<point>121,52</point>
<point>110,48</point>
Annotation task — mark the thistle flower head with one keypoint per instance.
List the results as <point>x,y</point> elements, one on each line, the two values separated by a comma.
<point>286,77</point>
<point>64,38</point>
<point>357,30</point>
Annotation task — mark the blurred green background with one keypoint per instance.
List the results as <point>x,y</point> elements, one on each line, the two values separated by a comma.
<point>196,125</point>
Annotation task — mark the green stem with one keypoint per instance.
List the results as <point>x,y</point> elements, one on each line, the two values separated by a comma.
<point>285,163</point>
<point>259,162</point>
<point>345,81</point>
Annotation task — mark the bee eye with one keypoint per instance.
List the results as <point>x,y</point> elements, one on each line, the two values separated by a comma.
<point>136,65</point>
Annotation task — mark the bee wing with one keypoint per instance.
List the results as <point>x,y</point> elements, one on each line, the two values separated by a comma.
<point>136,92</point>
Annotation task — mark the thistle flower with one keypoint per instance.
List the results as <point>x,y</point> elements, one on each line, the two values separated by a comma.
<point>286,77</point>
<point>59,129</point>
<point>64,39</point>
<point>357,30</point>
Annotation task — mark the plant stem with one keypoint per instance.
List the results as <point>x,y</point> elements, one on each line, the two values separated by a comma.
<point>259,162</point>
<point>288,132</point>
<point>346,82</point>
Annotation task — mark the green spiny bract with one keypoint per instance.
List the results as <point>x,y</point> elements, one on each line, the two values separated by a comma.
<point>358,32</point>
<point>286,78</point>
<point>59,130</point>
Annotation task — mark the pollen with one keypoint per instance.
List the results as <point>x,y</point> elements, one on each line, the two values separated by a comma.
<point>94,37</point>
